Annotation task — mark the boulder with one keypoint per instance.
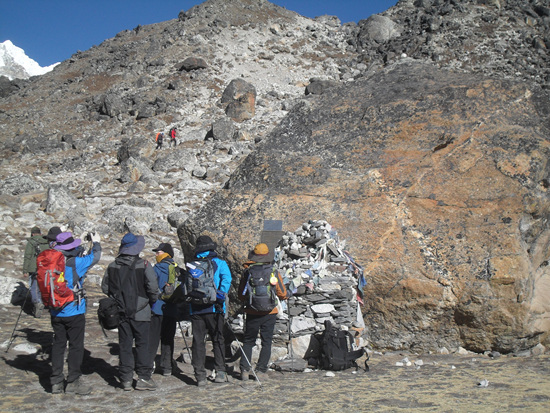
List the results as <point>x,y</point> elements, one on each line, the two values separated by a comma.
<point>193,63</point>
<point>112,105</point>
<point>438,179</point>
<point>223,130</point>
<point>240,97</point>
<point>122,218</point>
<point>377,28</point>
<point>132,170</point>
<point>19,184</point>
<point>176,160</point>
<point>319,86</point>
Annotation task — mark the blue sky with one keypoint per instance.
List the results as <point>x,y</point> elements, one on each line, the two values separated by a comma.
<point>51,31</point>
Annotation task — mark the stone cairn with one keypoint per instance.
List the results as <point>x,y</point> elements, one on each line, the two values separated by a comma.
<point>325,281</point>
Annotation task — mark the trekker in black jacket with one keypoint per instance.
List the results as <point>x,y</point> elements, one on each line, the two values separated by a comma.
<point>131,281</point>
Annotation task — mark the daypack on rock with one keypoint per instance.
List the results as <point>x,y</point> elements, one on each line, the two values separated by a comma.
<point>109,313</point>
<point>337,349</point>
<point>261,294</point>
<point>50,277</point>
<point>199,282</point>
<point>169,289</point>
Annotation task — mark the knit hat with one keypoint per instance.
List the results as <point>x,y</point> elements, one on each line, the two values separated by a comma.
<point>53,233</point>
<point>131,244</point>
<point>165,247</point>
<point>205,243</point>
<point>260,253</point>
<point>35,230</point>
<point>65,241</point>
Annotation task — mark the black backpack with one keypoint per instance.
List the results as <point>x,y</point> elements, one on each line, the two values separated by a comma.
<point>261,294</point>
<point>109,313</point>
<point>337,350</point>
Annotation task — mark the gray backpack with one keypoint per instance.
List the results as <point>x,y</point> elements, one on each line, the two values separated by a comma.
<point>199,282</point>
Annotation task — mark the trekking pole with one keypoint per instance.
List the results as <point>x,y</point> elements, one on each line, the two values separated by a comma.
<point>242,352</point>
<point>17,322</point>
<point>185,341</point>
<point>290,335</point>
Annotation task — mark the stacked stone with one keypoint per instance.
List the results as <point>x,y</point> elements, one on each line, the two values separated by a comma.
<point>323,280</point>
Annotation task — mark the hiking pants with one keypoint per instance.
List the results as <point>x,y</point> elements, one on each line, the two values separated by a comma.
<point>167,334</point>
<point>213,323</point>
<point>265,324</point>
<point>128,331</point>
<point>163,330</point>
<point>35,292</point>
<point>69,329</point>
<point>154,339</point>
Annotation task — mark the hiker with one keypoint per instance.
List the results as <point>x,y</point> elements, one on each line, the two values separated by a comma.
<point>131,281</point>
<point>164,317</point>
<point>35,245</point>
<point>159,138</point>
<point>260,284</point>
<point>69,322</point>
<point>207,310</point>
<point>52,234</point>
<point>173,137</point>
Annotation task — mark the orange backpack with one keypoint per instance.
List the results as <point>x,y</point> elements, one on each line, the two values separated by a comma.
<point>50,277</point>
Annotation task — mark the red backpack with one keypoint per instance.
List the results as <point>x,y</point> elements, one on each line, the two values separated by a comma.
<point>50,277</point>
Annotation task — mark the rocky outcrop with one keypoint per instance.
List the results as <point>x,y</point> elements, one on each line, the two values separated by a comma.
<point>509,39</point>
<point>439,178</point>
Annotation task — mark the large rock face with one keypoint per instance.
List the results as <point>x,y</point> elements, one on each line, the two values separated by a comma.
<point>439,182</point>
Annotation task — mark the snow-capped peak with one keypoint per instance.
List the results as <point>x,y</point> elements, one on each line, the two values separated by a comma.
<point>14,63</point>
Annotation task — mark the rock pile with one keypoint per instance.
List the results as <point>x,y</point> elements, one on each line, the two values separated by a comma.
<point>325,281</point>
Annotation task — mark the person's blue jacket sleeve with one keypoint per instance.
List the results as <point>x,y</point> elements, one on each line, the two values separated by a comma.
<point>225,276</point>
<point>83,264</point>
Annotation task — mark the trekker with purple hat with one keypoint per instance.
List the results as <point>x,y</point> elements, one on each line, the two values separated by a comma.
<point>69,322</point>
<point>131,282</point>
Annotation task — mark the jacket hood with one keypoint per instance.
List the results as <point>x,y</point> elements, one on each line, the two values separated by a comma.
<point>125,259</point>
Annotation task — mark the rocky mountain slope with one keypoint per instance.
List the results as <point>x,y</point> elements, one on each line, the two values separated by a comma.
<point>78,148</point>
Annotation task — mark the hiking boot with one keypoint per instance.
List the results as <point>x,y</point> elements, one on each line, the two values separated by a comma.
<point>201,382</point>
<point>148,384</point>
<point>127,385</point>
<point>221,377</point>
<point>245,375</point>
<point>58,388</point>
<point>77,387</point>
<point>38,307</point>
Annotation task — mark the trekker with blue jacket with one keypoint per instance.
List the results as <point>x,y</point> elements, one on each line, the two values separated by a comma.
<point>164,315</point>
<point>69,322</point>
<point>210,316</point>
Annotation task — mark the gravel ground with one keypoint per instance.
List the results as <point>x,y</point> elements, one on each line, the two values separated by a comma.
<point>439,383</point>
